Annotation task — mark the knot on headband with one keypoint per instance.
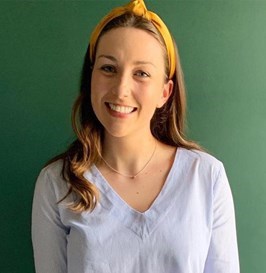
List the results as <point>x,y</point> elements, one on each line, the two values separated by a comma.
<point>138,8</point>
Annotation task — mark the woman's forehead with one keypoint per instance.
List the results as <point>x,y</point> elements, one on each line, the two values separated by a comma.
<point>132,43</point>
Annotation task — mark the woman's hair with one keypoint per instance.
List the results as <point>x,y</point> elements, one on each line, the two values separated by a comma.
<point>167,124</point>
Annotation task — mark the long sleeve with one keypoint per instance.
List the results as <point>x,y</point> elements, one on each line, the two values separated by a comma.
<point>223,251</point>
<point>48,232</point>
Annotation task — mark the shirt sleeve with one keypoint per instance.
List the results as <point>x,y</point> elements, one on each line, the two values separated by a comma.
<point>48,232</point>
<point>223,251</point>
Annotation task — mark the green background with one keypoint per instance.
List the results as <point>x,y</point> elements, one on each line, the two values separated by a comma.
<point>223,51</point>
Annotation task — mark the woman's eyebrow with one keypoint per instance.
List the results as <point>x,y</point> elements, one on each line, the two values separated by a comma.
<point>144,63</point>
<point>107,57</point>
<point>112,58</point>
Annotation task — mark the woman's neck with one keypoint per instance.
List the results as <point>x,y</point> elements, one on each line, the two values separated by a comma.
<point>128,154</point>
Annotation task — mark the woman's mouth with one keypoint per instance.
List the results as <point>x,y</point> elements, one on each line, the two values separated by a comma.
<point>120,108</point>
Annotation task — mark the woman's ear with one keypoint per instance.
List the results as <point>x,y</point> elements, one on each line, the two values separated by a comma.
<point>166,93</point>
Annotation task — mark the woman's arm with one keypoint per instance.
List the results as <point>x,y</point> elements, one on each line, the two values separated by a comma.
<point>223,251</point>
<point>48,232</point>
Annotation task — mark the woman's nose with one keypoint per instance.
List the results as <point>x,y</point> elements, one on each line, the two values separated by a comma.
<point>122,86</point>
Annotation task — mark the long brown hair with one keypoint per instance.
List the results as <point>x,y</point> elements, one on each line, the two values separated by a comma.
<point>167,124</point>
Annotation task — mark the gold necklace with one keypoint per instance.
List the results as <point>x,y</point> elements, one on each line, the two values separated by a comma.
<point>129,175</point>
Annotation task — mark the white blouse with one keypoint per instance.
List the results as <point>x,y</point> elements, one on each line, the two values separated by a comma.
<point>190,227</point>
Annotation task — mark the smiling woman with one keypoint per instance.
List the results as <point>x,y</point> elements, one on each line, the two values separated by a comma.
<point>132,194</point>
<point>128,83</point>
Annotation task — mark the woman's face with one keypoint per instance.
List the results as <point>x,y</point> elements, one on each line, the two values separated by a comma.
<point>128,81</point>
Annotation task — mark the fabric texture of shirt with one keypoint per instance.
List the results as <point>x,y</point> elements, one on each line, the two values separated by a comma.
<point>189,228</point>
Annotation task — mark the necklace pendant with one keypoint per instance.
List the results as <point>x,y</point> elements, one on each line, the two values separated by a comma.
<point>133,177</point>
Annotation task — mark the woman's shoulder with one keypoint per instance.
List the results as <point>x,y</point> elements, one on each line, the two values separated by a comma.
<point>51,176</point>
<point>199,155</point>
<point>199,159</point>
<point>201,166</point>
<point>53,169</point>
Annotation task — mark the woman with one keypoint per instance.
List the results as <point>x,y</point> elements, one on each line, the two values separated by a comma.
<point>131,194</point>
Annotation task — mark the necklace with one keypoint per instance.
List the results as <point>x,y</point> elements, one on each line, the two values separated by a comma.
<point>129,175</point>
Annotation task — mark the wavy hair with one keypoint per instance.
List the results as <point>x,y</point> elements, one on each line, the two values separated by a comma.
<point>167,124</point>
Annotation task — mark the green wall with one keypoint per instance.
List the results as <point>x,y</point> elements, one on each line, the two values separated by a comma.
<point>223,50</point>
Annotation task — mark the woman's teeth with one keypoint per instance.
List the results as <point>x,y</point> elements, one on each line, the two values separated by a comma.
<point>121,109</point>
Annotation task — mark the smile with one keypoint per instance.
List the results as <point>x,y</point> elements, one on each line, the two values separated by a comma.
<point>121,109</point>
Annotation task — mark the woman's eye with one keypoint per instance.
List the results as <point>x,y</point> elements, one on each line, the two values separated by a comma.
<point>108,68</point>
<point>142,74</point>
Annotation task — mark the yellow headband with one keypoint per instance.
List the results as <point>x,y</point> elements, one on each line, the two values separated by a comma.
<point>138,8</point>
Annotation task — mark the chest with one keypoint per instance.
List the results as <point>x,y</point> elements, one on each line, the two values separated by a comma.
<point>172,236</point>
<point>139,193</point>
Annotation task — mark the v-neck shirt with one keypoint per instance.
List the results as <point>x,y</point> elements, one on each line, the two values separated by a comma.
<point>189,228</point>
